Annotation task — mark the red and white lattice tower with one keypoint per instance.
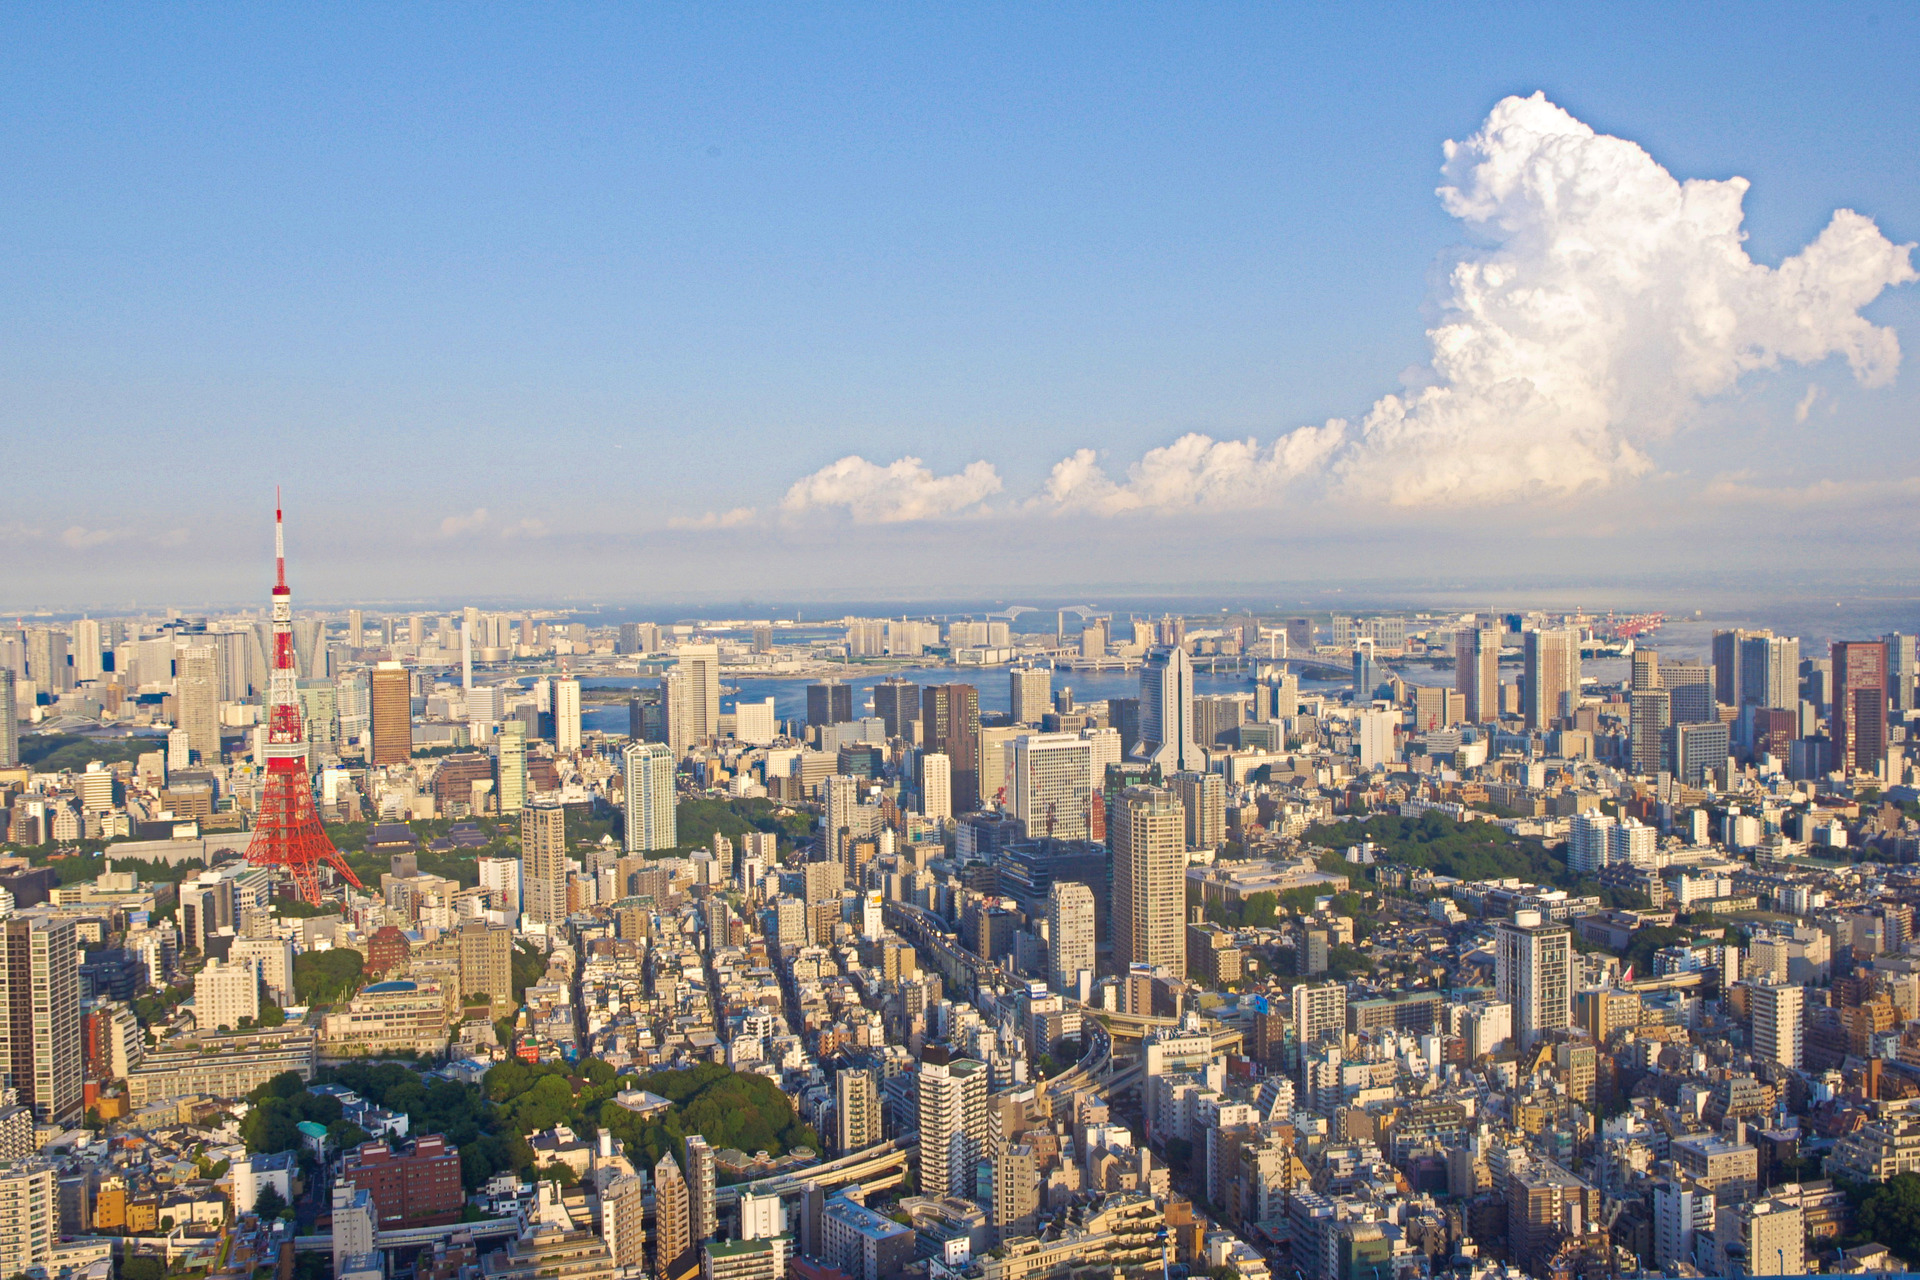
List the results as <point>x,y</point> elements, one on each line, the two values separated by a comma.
<point>287,831</point>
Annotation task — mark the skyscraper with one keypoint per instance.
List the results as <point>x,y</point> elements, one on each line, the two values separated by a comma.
<point>1032,692</point>
<point>936,786</point>
<point>1533,972</point>
<point>696,709</point>
<point>566,715</point>
<point>1778,1014</point>
<point>1052,791</point>
<point>390,713</point>
<point>652,801</point>
<point>40,1029</point>
<point>1149,843</point>
<point>1071,938</point>
<point>543,859</point>
<point>1166,711</point>
<point>856,1106</point>
<point>9,721</point>
<point>672,1220</point>
<point>829,702</point>
<point>1902,667</point>
<point>1552,667</point>
<point>1204,797</point>
<point>1770,672</point>
<point>1476,671</point>
<point>952,1096</point>
<point>897,703</point>
<point>86,650</point>
<point>950,724</point>
<point>1689,687</point>
<point>511,783</point>
<point>1727,681</point>
<point>196,691</point>
<point>623,1221</point>
<point>1859,705</point>
<point>1649,715</point>
<point>702,1209</point>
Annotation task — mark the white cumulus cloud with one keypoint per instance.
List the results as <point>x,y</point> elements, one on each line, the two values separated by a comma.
<point>1194,471</point>
<point>1606,300</point>
<point>903,490</point>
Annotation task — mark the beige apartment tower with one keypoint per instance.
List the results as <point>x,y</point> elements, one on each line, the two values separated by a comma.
<point>1149,843</point>
<point>543,859</point>
<point>1552,671</point>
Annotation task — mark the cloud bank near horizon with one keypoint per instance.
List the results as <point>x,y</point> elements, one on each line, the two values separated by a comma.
<point>1604,302</point>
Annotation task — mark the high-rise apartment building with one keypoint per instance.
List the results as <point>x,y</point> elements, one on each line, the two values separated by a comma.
<point>1319,1012</point>
<point>1149,843</point>
<point>950,724</point>
<point>1727,681</point>
<point>566,716</point>
<point>86,651</point>
<point>672,1220</point>
<point>1476,671</point>
<point>1071,937</point>
<point>1779,1019</point>
<point>1533,972</point>
<point>703,1210</point>
<point>1166,712</point>
<point>224,994</point>
<point>652,800</point>
<point>196,692</point>
<point>390,713</point>
<point>40,1029</point>
<point>1552,671</point>
<point>952,1095</point>
<point>29,1216</point>
<point>856,1109</point>
<point>1051,785</point>
<point>543,863</point>
<point>1032,692</point>
<point>1859,705</point>
<point>623,1209</point>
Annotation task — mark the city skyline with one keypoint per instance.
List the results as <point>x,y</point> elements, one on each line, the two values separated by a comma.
<point>834,301</point>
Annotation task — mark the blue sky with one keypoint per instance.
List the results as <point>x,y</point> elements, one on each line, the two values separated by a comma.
<point>598,272</point>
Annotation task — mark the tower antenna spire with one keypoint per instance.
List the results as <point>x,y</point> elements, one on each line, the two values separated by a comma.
<point>287,832</point>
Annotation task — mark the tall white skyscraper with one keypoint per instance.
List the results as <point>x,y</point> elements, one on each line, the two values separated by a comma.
<point>652,801</point>
<point>936,786</point>
<point>953,1122</point>
<point>1050,794</point>
<point>1166,712</point>
<point>86,650</point>
<point>1778,1022</point>
<point>1032,690</point>
<point>512,766</point>
<point>1533,972</point>
<point>697,705</point>
<point>1071,940</point>
<point>566,715</point>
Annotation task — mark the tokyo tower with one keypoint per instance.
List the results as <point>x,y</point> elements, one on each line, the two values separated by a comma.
<point>287,831</point>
